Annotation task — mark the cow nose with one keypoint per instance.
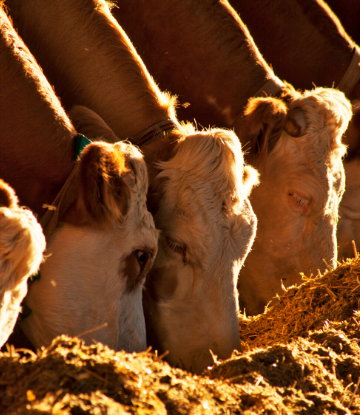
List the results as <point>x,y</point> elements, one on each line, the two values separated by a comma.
<point>142,258</point>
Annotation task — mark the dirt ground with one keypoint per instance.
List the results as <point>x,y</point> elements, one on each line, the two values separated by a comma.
<point>302,356</point>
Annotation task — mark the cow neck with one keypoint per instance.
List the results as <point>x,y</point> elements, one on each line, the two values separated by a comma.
<point>307,46</point>
<point>67,194</point>
<point>272,86</point>
<point>352,74</point>
<point>215,65</point>
<point>155,130</point>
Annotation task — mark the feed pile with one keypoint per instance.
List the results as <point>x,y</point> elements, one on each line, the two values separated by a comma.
<point>334,296</point>
<point>71,378</point>
<point>316,373</point>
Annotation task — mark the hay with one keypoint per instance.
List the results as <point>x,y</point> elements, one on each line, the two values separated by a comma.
<point>310,364</point>
<point>334,296</point>
<point>71,378</point>
<point>305,376</point>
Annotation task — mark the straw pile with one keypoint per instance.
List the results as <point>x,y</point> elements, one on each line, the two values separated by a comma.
<point>70,378</point>
<point>303,376</point>
<point>309,364</point>
<point>334,296</point>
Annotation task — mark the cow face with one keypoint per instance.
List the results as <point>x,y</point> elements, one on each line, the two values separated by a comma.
<point>207,228</point>
<point>21,247</point>
<point>296,203</point>
<point>99,256</point>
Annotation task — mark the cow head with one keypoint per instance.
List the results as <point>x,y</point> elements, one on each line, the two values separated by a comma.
<point>21,247</point>
<point>301,185</point>
<point>99,255</point>
<point>207,228</point>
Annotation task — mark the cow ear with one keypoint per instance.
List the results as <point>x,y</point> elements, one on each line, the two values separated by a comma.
<point>7,196</point>
<point>262,126</point>
<point>250,179</point>
<point>295,124</point>
<point>105,184</point>
<point>90,124</point>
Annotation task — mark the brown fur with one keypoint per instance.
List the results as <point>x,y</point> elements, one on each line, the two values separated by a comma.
<point>36,135</point>
<point>199,50</point>
<point>348,11</point>
<point>85,32</point>
<point>88,123</point>
<point>307,47</point>
<point>264,122</point>
<point>104,195</point>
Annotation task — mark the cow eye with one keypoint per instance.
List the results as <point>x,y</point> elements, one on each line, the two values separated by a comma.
<point>299,202</point>
<point>177,247</point>
<point>142,258</point>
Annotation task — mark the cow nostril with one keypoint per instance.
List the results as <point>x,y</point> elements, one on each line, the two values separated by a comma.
<point>142,258</point>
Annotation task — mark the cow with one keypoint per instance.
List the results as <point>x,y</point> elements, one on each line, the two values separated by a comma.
<point>202,52</point>
<point>22,244</point>
<point>101,239</point>
<point>299,194</point>
<point>207,226</point>
<point>316,50</point>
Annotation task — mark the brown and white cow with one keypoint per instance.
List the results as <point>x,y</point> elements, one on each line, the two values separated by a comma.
<point>207,226</point>
<point>202,52</point>
<point>302,182</point>
<point>316,50</point>
<point>103,240</point>
<point>22,244</point>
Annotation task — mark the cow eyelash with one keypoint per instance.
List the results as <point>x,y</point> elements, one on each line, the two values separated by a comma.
<point>177,247</point>
<point>299,200</point>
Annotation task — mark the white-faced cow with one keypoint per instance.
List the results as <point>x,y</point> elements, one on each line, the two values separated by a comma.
<point>22,244</point>
<point>316,51</point>
<point>90,61</point>
<point>101,240</point>
<point>302,182</point>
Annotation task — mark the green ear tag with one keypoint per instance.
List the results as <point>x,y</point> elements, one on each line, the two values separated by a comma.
<point>80,143</point>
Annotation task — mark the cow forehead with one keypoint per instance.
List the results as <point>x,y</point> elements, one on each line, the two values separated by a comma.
<point>309,154</point>
<point>206,230</point>
<point>327,113</point>
<point>206,170</point>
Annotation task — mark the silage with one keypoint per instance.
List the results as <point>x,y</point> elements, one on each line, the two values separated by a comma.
<point>72,378</point>
<point>334,296</point>
<point>301,357</point>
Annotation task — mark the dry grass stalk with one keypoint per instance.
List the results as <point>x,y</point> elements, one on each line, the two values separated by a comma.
<point>333,296</point>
